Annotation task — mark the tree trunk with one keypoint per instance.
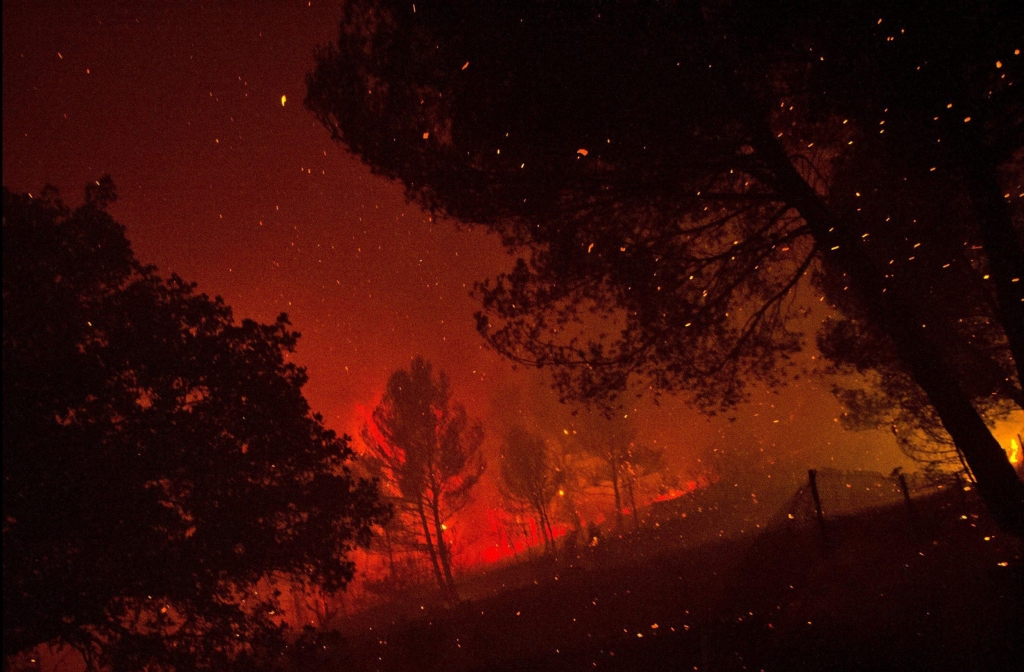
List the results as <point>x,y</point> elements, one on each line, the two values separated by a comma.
<point>543,529</point>
<point>1002,247</point>
<point>511,544</point>
<point>430,549</point>
<point>545,526</point>
<point>998,485</point>
<point>297,604</point>
<point>632,501</point>
<point>391,556</point>
<point>551,532</point>
<point>614,464</point>
<point>442,551</point>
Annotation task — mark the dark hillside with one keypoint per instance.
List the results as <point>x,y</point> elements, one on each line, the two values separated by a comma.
<point>940,589</point>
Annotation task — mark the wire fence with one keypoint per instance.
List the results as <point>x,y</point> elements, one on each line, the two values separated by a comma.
<point>831,494</point>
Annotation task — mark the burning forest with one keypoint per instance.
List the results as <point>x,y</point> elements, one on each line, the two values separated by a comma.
<point>471,336</point>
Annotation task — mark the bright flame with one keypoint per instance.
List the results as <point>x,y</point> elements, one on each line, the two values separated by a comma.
<point>284,99</point>
<point>1014,452</point>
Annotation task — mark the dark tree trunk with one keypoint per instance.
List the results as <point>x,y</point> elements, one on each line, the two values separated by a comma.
<point>391,556</point>
<point>998,485</point>
<point>1002,248</point>
<point>542,523</point>
<point>551,532</point>
<point>614,464</point>
<point>443,551</point>
<point>545,525</point>
<point>431,551</point>
<point>632,500</point>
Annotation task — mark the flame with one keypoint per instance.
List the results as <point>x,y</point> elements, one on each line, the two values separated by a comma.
<point>1014,452</point>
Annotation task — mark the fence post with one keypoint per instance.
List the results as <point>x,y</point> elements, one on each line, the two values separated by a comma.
<point>960,489</point>
<point>812,475</point>
<point>902,479</point>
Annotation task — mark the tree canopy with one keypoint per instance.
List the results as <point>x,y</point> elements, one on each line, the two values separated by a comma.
<point>528,478</point>
<point>670,172</point>
<point>159,457</point>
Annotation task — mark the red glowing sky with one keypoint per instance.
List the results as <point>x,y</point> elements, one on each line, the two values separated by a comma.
<point>218,181</point>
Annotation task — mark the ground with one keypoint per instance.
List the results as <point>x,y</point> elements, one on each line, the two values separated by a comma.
<point>933,587</point>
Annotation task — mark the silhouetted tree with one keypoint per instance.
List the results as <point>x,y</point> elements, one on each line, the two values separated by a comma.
<point>670,169</point>
<point>640,462</point>
<point>570,477</point>
<point>430,452</point>
<point>934,92</point>
<point>623,460</point>
<point>398,537</point>
<point>159,458</point>
<point>528,479</point>
<point>946,280</point>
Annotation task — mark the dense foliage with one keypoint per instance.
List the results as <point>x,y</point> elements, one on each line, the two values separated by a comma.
<point>159,458</point>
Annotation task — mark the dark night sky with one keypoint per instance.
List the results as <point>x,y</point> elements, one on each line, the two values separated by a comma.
<point>218,181</point>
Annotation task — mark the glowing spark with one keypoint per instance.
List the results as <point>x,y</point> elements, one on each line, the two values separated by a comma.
<point>284,99</point>
<point>582,152</point>
<point>466,65</point>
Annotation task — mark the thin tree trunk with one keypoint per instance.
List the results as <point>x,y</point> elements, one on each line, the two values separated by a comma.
<point>442,549</point>
<point>614,462</point>
<point>542,521</point>
<point>527,536</point>
<point>391,556</point>
<point>543,532</point>
<point>511,544</point>
<point>545,526</point>
<point>632,500</point>
<point>547,521</point>
<point>1003,249</point>
<point>998,485</point>
<point>297,604</point>
<point>430,549</point>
